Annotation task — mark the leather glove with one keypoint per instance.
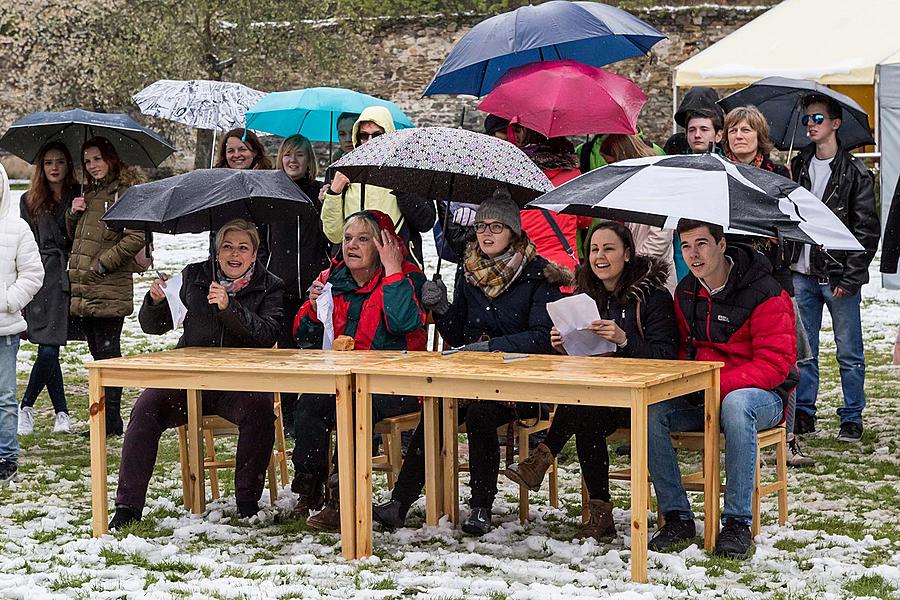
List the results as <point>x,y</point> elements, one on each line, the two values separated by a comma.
<point>477,347</point>
<point>434,297</point>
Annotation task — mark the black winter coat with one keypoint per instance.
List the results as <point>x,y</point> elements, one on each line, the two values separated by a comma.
<point>514,321</point>
<point>890,249</point>
<point>47,314</point>
<point>850,194</point>
<point>251,319</point>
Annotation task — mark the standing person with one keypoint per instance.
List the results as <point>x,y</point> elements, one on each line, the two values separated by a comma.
<point>241,149</point>
<point>410,214</point>
<point>834,279</point>
<point>637,315</point>
<point>345,122</point>
<point>100,265</point>
<point>747,140</point>
<point>21,275</point>
<point>702,119</point>
<point>44,208</point>
<point>237,306</point>
<point>721,307</point>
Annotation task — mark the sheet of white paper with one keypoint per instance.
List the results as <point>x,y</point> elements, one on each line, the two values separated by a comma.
<point>572,315</point>
<point>325,313</point>
<point>173,297</point>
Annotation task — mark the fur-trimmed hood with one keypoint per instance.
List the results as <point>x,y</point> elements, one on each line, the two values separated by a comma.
<point>548,158</point>
<point>558,275</point>
<point>656,272</point>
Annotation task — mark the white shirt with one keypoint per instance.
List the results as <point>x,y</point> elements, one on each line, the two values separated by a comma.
<point>819,174</point>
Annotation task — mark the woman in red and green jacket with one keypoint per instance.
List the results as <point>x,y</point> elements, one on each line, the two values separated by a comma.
<point>376,291</point>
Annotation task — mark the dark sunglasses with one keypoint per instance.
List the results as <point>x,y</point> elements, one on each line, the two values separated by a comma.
<point>494,227</point>
<point>817,118</point>
<point>365,135</point>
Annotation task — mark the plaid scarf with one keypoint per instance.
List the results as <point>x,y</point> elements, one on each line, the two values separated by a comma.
<point>493,276</point>
<point>233,286</point>
<point>757,161</point>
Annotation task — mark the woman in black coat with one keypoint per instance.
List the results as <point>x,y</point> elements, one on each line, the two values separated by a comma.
<point>44,207</point>
<point>637,315</point>
<point>238,306</point>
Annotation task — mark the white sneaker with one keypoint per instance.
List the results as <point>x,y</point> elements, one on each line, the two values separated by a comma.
<point>62,423</point>
<point>26,420</point>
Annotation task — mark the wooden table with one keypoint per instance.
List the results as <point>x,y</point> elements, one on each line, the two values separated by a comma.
<point>229,369</point>
<point>590,381</point>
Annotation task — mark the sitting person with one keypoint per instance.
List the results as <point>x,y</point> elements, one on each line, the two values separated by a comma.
<point>637,314</point>
<point>238,306</point>
<point>375,288</point>
<point>499,305</point>
<point>729,309</point>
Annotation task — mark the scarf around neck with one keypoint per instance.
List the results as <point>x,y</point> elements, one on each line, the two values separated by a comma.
<point>756,162</point>
<point>233,286</point>
<point>493,276</point>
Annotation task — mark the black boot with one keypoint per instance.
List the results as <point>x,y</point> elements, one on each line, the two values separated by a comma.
<point>114,426</point>
<point>479,521</point>
<point>391,515</point>
<point>247,509</point>
<point>734,540</point>
<point>311,492</point>
<point>125,515</point>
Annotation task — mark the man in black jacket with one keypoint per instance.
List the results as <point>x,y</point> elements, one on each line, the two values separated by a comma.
<point>834,279</point>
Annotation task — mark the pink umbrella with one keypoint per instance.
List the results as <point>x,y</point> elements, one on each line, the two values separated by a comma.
<point>566,97</point>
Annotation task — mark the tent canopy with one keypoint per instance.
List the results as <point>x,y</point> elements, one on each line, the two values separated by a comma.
<point>797,39</point>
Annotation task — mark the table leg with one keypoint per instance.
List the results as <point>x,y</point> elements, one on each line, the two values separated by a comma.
<point>433,501</point>
<point>639,486</point>
<point>99,471</point>
<point>195,451</point>
<point>363,467</point>
<point>346,466</point>
<point>712,483</point>
<point>450,461</point>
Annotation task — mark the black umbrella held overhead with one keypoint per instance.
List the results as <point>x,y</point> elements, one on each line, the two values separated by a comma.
<point>779,99</point>
<point>135,144</point>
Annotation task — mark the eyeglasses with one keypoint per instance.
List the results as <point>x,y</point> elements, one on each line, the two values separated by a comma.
<point>365,135</point>
<point>493,227</point>
<point>817,118</point>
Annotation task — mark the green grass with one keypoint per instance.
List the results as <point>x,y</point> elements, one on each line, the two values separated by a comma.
<point>871,585</point>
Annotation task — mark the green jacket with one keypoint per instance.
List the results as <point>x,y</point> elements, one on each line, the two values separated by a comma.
<point>593,159</point>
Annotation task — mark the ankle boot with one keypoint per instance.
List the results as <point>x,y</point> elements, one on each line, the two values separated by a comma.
<point>600,525</point>
<point>530,472</point>
<point>311,492</point>
<point>329,518</point>
<point>125,515</point>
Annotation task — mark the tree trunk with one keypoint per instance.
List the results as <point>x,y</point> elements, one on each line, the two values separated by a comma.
<point>203,149</point>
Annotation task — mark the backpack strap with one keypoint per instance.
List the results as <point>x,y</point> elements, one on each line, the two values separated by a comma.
<point>559,234</point>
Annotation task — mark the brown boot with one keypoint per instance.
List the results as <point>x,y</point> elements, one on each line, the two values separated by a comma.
<point>329,518</point>
<point>600,525</point>
<point>311,495</point>
<point>530,472</point>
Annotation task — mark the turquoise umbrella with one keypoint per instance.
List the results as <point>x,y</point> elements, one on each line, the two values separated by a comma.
<point>313,112</point>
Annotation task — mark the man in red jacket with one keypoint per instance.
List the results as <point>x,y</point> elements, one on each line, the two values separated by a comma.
<point>729,309</point>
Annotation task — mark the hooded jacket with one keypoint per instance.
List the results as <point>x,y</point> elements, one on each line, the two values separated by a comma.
<point>749,325</point>
<point>411,214</point>
<point>21,270</point>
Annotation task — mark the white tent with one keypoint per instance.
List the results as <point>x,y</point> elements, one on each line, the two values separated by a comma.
<point>888,91</point>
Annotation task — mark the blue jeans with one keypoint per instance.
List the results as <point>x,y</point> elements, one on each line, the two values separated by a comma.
<point>812,296</point>
<point>9,408</point>
<point>744,412</point>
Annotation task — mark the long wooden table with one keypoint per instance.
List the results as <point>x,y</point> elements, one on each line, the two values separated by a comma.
<point>590,381</point>
<point>229,369</point>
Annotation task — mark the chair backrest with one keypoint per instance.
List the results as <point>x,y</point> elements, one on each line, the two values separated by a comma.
<point>435,342</point>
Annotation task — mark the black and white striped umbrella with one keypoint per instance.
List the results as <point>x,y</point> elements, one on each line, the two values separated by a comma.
<point>660,190</point>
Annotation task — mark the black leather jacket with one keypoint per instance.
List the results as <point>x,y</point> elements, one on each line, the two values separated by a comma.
<point>850,194</point>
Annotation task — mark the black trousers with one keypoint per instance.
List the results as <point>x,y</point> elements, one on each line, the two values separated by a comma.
<point>104,336</point>
<point>286,340</point>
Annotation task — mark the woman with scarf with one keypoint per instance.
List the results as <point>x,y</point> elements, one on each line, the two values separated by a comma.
<point>499,305</point>
<point>237,306</point>
<point>637,315</point>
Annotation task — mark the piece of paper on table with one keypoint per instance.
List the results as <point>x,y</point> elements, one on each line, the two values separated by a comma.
<point>173,298</point>
<point>325,313</point>
<point>572,317</point>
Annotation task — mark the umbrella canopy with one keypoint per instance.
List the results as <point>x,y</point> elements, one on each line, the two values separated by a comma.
<point>447,164</point>
<point>661,190</point>
<point>589,32</point>
<point>135,144</point>
<point>198,103</point>
<point>779,98</point>
<point>552,98</point>
<point>206,199</point>
<point>313,112</point>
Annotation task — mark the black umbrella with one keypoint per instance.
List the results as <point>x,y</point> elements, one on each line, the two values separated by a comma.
<point>779,99</point>
<point>206,199</point>
<point>135,144</point>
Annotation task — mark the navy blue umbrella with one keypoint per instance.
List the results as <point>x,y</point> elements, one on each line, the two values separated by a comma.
<point>588,32</point>
<point>135,144</point>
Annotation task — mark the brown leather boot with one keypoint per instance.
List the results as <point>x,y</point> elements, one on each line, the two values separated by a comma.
<point>311,495</point>
<point>530,472</point>
<point>600,525</point>
<point>329,518</point>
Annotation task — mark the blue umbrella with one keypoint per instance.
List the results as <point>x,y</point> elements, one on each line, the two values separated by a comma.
<point>134,143</point>
<point>588,32</point>
<point>313,112</point>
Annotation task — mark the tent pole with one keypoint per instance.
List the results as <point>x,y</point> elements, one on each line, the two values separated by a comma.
<point>674,104</point>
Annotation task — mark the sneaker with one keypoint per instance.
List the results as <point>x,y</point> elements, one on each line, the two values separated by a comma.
<point>26,420</point>
<point>63,424</point>
<point>804,424</point>
<point>675,531</point>
<point>479,521</point>
<point>734,540</point>
<point>795,456</point>
<point>125,515</point>
<point>850,432</point>
<point>8,472</point>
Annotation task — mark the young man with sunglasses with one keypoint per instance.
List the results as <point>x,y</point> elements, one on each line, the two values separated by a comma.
<point>833,279</point>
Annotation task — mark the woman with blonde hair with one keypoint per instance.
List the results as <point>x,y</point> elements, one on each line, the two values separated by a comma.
<point>747,139</point>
